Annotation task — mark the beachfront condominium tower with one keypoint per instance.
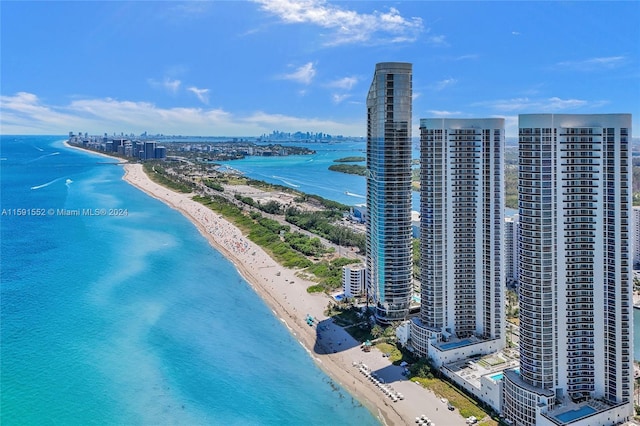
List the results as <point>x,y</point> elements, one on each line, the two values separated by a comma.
<point>461,239</point>
<point>575,284</point>
<point>389,237</point>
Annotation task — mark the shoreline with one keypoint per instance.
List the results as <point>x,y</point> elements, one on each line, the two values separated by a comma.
<point>286,295</point>
<point>284,299</point>
<point>331,348</point>
<point>101,154</point>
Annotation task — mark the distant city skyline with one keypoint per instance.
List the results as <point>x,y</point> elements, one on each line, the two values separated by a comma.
<point>248,68</point>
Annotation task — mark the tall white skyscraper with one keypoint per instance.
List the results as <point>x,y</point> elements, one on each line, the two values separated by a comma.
<point>389,238</point>
<point>462,310</point>
<point>575,286</point>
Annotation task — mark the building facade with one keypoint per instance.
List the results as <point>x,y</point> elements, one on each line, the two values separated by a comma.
<point>575,281</point>
<point>635,220</point>
<point>511,225</point>
<point>388,222</point>
<point>149,151</point>
<point>354,280</point>
<point>462,220</point>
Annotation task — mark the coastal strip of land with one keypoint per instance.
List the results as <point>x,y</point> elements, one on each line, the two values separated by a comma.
<point>337,353</point>
<point>331,347</point>
<point>284,292</point>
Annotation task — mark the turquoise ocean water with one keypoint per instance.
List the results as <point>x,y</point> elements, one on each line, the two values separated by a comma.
<point>134,319</point>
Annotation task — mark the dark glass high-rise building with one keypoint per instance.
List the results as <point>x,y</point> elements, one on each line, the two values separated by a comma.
<point>389,237</point>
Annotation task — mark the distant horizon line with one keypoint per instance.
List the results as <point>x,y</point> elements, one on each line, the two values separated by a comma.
<point>415,138</point>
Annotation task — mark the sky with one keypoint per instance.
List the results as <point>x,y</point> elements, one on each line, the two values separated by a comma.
<point>244,68</point>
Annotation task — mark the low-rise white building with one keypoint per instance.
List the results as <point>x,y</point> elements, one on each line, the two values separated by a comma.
<point>354,278</point>
<point>443,348</point>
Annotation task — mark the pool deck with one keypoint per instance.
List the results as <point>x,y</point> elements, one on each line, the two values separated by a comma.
<point>574,413</point>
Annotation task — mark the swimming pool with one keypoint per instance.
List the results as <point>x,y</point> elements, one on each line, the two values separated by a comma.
<point>452,345</point>
<point>497,377</point>
<point>572,415</point>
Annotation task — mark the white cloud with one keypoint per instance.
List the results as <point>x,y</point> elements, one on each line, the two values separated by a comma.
<point>465,57</point>
<point>348,26</point>
<point>338,98</point>
<point>345,83</point>
<point>510,125</point>
<point>303,74</point>
<point>557,103</point>
<point>441,113</point>
<point>515,33</point>
<point>202,94</point>
<point>191,8</point>
<point>526,105</point>
<point>25,113</point>
<point>268,121</point>
<point>514,104</point>
<point>171,86</point>
<point>186,10</point>
<point>592,64</point>
<point>439,40</point>
<point>443,84</point>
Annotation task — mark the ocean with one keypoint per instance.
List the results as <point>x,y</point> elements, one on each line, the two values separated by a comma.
<point>115,310</point>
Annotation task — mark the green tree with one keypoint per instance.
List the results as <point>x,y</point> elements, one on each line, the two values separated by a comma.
<point>376,331</point>
<point>421,369</point>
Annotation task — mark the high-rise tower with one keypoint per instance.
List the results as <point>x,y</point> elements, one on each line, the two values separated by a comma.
<point>461,239</point>
<point>389,256</point>
<point>575,280</point>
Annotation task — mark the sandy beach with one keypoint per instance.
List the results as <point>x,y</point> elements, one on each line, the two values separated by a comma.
<point>110,157</point>
<point>331,347</point>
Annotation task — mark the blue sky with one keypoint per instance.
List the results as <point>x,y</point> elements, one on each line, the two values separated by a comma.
<point>243,68</point>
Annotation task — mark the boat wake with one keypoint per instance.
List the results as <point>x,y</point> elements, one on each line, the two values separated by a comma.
<point>46,184</point>
<point>43,156</point>
<point>286,181</point>
<point>351,194</point>
<point>68,182</point>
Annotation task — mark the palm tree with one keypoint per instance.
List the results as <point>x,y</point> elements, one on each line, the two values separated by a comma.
<point>376,331</point>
